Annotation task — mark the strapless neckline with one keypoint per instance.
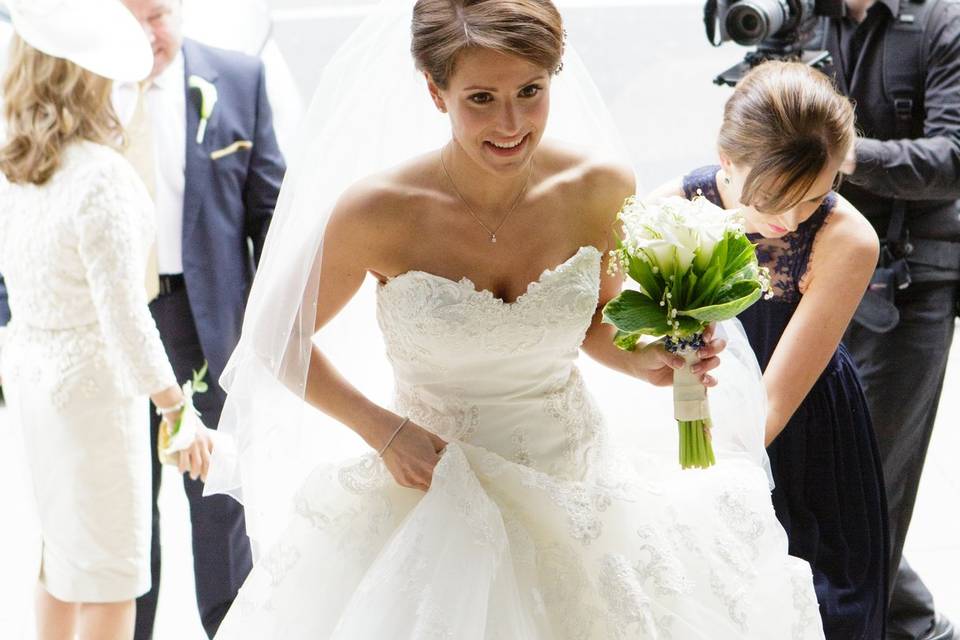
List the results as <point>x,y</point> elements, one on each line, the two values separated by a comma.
<point>469,285</point>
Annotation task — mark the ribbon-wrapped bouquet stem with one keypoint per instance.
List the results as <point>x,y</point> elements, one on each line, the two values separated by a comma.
<point>694,265</point>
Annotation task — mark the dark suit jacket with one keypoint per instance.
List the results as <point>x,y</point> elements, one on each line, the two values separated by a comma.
<point>4,306</point>
<point>227,202</point>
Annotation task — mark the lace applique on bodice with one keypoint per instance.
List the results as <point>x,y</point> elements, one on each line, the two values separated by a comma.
<point>465,361</point>
<point>788,258</point>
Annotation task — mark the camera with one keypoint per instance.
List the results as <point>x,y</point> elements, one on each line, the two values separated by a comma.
<point>779,29</point>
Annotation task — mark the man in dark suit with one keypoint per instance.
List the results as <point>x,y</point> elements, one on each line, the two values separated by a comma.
<point>899,61</point>
<point>215,178</point>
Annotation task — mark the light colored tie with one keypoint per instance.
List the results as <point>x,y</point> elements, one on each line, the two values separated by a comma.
<point>140,153</point>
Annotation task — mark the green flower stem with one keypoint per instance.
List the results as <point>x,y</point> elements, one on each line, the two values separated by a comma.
<point>696,450</point>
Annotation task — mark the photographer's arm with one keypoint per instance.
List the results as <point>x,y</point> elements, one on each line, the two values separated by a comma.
<point>927,168</point>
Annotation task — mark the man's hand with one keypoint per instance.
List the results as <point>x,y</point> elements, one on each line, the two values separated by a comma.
<point>195,459</point>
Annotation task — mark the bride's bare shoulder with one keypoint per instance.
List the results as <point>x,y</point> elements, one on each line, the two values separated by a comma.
<point>595,184</point>
<point>584,167</point>
<point>385,199</point>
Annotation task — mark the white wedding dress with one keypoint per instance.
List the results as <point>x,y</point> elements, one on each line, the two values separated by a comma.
<point>536,526</point>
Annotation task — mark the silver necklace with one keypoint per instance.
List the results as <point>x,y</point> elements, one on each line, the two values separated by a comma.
<point>492,232</point>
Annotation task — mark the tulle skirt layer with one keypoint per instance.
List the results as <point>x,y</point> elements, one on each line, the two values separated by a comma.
<point>497,550</point>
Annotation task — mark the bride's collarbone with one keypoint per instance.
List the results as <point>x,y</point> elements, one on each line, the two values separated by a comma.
<point>437,238</point>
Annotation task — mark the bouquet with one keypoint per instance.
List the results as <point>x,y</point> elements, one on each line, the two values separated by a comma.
<point>172,439</point>
<point>694,265</point>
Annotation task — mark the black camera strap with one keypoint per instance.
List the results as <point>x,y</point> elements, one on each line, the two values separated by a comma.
<point>710,21</point>
<point>904,77</point>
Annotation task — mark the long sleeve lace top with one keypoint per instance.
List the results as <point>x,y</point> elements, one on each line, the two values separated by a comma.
<point>73,252</point>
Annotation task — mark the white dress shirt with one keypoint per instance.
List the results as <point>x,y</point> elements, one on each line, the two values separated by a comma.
<point>166,103</point>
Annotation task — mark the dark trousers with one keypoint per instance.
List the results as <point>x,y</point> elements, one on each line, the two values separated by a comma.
<point>902,373</point>
<point>4,305</point>
<point>221,549</point>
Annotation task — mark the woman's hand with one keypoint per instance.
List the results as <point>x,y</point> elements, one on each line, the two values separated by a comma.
<point>413,455</point>
<point>195,459</point>
<point>657,365</point>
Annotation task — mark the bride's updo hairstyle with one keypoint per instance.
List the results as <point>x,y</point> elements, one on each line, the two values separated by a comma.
<point>528,29</point>
<point>787,122</point>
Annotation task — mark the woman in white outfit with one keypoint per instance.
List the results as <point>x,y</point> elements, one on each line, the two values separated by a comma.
<point>83,352</point>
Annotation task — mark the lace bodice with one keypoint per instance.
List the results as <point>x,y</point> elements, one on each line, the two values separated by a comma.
<point>73,252</point>
<point>788,258</point>
<point>462,358</point>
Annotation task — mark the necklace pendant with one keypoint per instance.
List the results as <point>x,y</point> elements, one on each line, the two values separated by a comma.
<point>493,238</point>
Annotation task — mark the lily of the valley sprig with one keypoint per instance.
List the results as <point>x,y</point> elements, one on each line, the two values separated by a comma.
<point>208,100</point>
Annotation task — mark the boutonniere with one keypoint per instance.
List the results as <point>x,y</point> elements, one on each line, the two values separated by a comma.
<point>208,100</point>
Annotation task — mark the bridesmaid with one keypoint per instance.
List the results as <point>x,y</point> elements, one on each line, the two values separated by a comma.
<point>785,133</point>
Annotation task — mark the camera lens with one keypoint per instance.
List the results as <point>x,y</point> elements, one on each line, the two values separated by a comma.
<point>753,21</point>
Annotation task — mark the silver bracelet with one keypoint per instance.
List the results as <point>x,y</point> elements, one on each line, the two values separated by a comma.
<point>393,437</point>
<point>162,411</point>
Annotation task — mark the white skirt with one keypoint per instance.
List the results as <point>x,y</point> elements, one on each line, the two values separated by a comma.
<point>89,464</point>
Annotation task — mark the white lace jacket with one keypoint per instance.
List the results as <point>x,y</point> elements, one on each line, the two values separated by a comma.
<point>73,252</point>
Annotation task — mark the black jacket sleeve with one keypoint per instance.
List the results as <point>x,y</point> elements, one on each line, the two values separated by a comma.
<point>927,168</point>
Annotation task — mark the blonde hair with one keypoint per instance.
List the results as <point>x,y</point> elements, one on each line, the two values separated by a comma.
<point>787,122</point>
<point>49,103</point>
<point>529,29</point>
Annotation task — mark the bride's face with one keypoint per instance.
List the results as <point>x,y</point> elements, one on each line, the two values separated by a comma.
<point>498,106</point>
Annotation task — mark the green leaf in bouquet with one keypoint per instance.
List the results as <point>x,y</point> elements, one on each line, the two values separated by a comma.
<point>737,290</point>
<point>709,285</point>
<point>720,252</point>
<point>677,287</point>
<point>719,255</point>
<point>742,253</point>
<point>642,273</point>
<point>731,308</point>
<point>748,272</point>
<point>687,326</point>
<point>634,312</point>
<point>690,286</point>
<point>627,341</point>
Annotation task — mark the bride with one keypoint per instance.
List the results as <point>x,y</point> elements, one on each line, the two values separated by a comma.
<point>492,501</point>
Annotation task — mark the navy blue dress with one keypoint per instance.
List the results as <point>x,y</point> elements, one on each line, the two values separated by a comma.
<point>829,483</point>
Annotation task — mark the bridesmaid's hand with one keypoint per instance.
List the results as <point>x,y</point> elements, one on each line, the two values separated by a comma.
<point>657,365</point>
<point>709,356</point>
<point>413,455</point>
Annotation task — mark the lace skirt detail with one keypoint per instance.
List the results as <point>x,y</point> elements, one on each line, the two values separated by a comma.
<point>67,364</point>
<point>497,550</point>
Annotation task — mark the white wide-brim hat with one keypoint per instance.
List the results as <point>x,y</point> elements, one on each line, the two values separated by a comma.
<point>101,36</point>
